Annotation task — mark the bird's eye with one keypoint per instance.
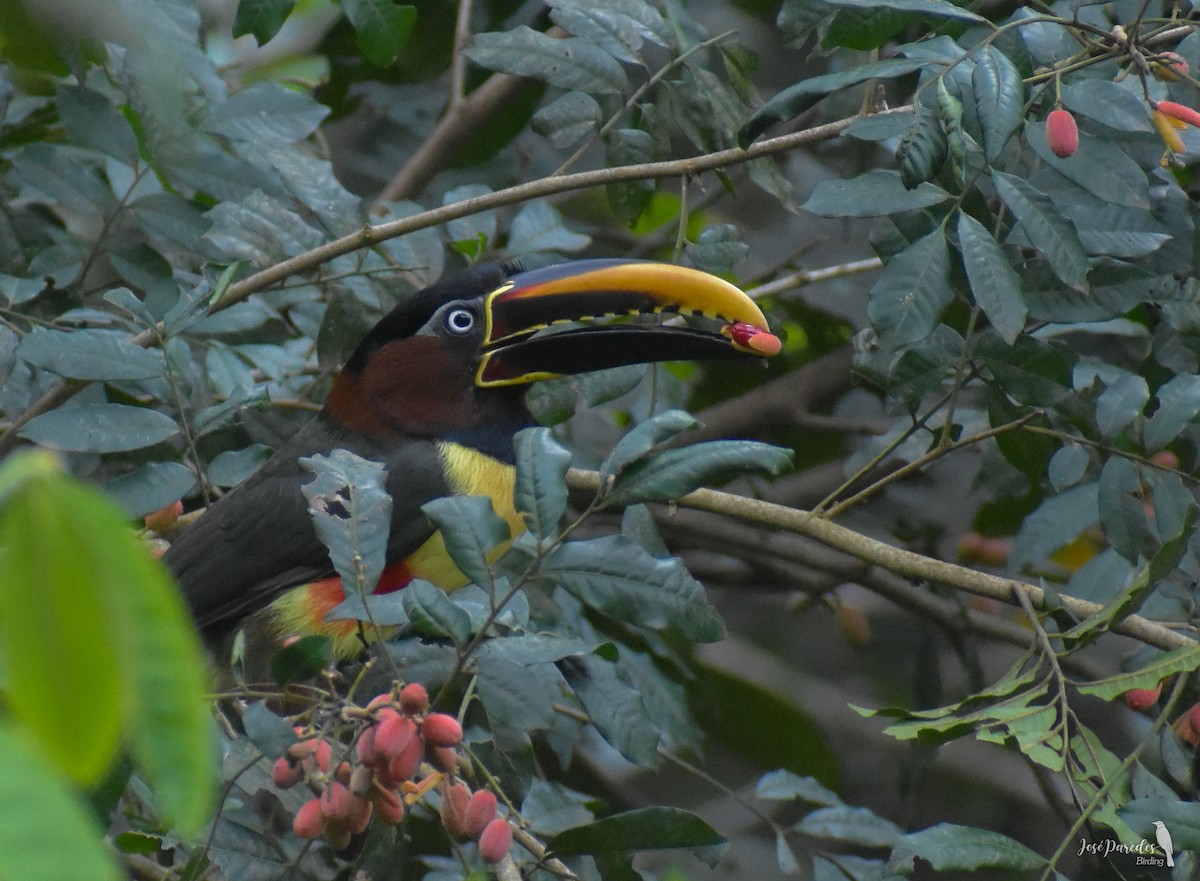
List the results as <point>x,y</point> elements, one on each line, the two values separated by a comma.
<point>460,320</point>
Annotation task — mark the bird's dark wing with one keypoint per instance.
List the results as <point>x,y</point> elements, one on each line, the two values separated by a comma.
<point>259,539</point>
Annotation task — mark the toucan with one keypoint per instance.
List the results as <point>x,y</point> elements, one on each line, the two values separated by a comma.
<point>435,392</point>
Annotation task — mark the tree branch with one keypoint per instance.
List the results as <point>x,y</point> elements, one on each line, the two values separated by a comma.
<point>898,560</point>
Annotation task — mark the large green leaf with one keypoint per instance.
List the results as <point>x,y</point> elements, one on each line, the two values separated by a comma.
<point>471,530</point>
<point>100,428</point>
<point>1122,508</point>
<point>949,847</point>
<point>1045,227</point>
<point>614,707</point>
<point>1181,660</point>
<point>908,299</point>
<point>617,577</point>
<point>674,473</point>
<point>999,99</point>
<point>1099,166</point>
<point>640,829</point>
<point>433,613</point>
<point>48,833</point>
<point>1056,522</point>
<point>540,492</point>
<point>381,28</point>
<point>872,194</point>
<point>1121,403</point>
<point>1178,404</point>
<point>572,63</point>
<point>995,284</point>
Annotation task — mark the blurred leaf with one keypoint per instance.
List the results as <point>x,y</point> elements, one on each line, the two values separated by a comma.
<point>1178,404</point>
<point>267,112</point>
<point>1067,466</point>
<point>995,284</point>
<point>71,845</point>
<point>1107,103</point>
<point>630,199</point>
<point>872,194</point>
<point>638,442</point>
<point>618,578</point>
<point>480,226</point>
<point>381,28</point>
<point>64,179</point>
<point>907,300</point>
<point>1121,403</point>
<point>1046,228</point>
<point>1056,522</point>
<point>1122,508</point>
<point>999,99</point>
<point>540,492</point>
<point>231,467</point>
<point>614,707</point>
<point>641,829</point>
<point>923,149</point>
<point>571,63</point>
<point>262,18</point>
<point>857,826</point>
<point>516,697</point>
<point>948,847</point>
<point>937,9</point>
<point>783,785</point>
<point>351,511</point>
<point>471,531</point>
<point>92,121</point>
<point>719,249</point>
<point>99,428</point>
<point>151,487</point>
<point>538,227</point>
<point>1099,166</point>
<point>271,734</point>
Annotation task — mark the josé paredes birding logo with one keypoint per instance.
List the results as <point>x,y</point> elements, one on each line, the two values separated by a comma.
<point>1160,852</point>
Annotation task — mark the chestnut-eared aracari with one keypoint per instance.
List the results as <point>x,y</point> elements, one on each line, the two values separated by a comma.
<point>435,392</point>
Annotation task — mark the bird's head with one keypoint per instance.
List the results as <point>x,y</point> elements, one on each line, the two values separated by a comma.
<point>448,356</point>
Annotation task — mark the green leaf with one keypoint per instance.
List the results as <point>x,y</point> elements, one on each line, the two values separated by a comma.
<point>64,179</point>
<point>540,492</point>
<point>674,473</point>
<point>267,112</point>
<point>1122,508</point>
<point>51,813</point>
<point>1178,404</point>
<point>1121,403</point>
<point>638,442</point>
<point>1180,660</point>
<point>539,227</point>
<point>923,149</point>
<point>1030,371</point>
<point>1107,103</point>
<point>270,733</point>
<point>719,249</point>
<point>995,284</point>
<point>614,707</point>
<point>857,826</point>
<point>907,300</point>
<point>1099,166</point>
<point>794,100</point>
<point>1045,227</point>
<point>872,194</point>
<point>231,467</point>
<point>617,577</point>
<point>381,28</point>
<point>99,428</point>
<point>1067,466</point>
<point>999,99</point>
<point>936,9</point>
<point>479,227</point>
<point>351,511</point>
<point>91,120</point>
<point>568,118</point>
<point>433,614</point>
<point>472,533</point>
<point>1055,523</point>
<point>640,829</point>
<point>262,18</point>
<point>153,486</point>
<point>572,63</point>
<point>783,785</point>
<point>949,847</point>
<point>516,697</point>
<point>629,200</point>
<point>89,354</point>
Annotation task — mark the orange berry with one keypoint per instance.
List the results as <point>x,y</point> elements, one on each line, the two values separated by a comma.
<point>481,810</point>
<point>854,624</point>
<point>285,775</point>
<point>455,798</point>
<point>441,730</point>
<point>309,821</point>
<point>389,805</point>
<point>414,698</point>
<point>164,518</point>
<point>1062,133</point>
<point>1178,111</point>
<point>495,841</point>
<point>393,734</point>
<point>1142,698</point>
<point>321,757</point>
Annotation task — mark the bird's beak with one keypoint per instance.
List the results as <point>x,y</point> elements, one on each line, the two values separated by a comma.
<point>523,342</point>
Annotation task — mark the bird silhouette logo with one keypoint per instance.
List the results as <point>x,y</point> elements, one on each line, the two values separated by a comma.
<point>1163,837</point>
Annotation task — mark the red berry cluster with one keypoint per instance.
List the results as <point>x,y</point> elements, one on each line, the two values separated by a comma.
<point>397,733</point>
